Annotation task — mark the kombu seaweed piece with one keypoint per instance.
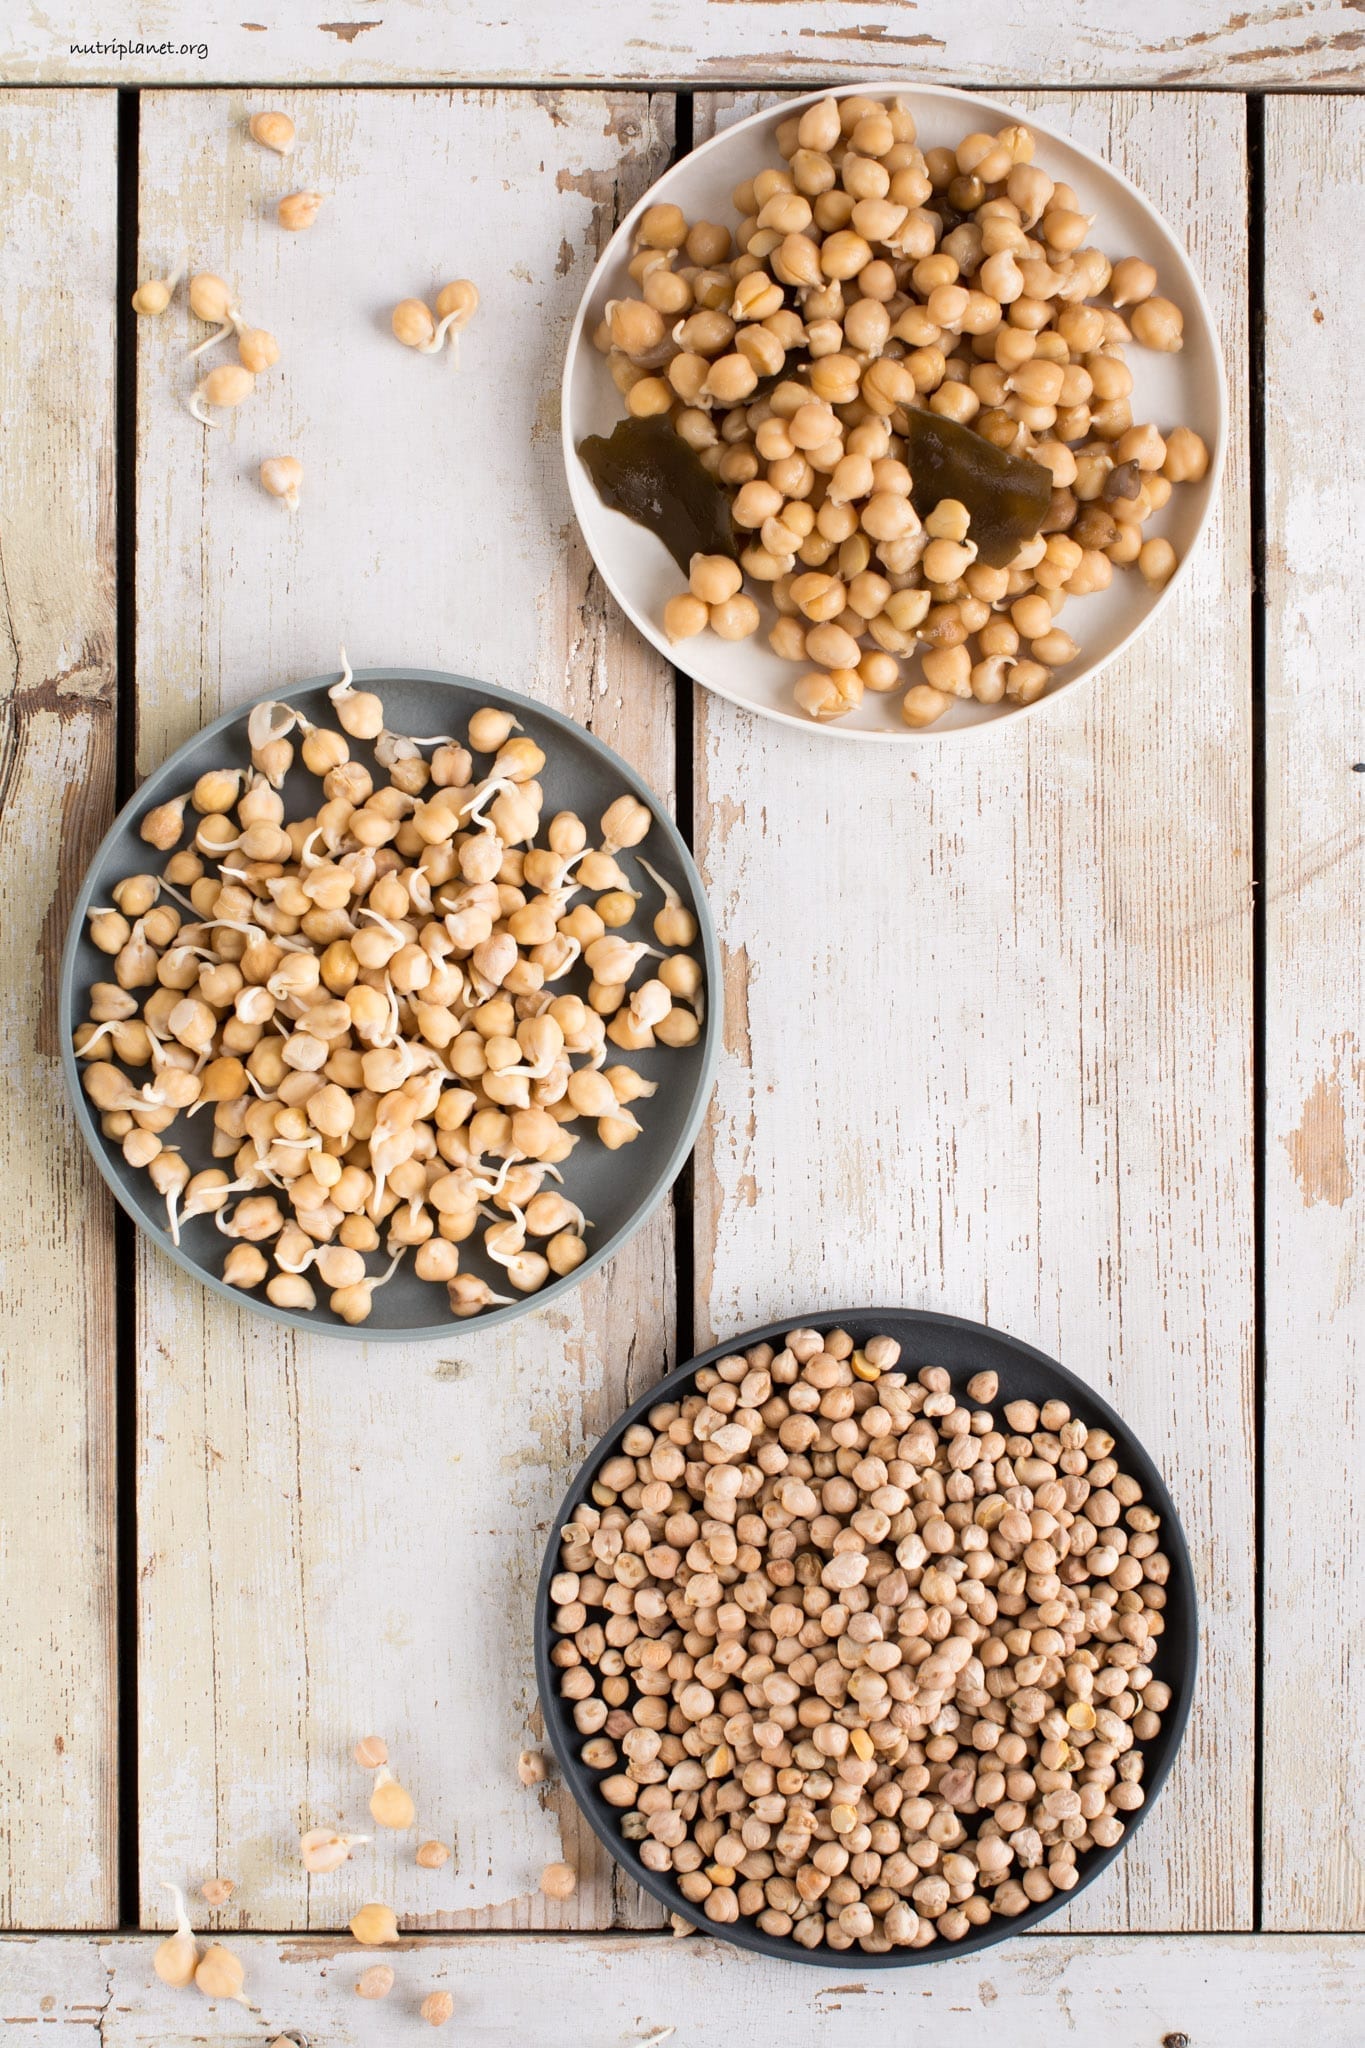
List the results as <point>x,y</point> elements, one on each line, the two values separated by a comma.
<point>1007,496</point>
<point>647,472</point>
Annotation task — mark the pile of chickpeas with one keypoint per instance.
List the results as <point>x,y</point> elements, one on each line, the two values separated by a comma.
<point>866,277</point>
<point>371,998</point>
<point>856,1659</point>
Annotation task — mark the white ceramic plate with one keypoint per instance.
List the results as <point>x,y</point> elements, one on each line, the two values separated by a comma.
<point>1183,389</point>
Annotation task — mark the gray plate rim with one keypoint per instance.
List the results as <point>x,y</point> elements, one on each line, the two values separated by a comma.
<point>530,710</point>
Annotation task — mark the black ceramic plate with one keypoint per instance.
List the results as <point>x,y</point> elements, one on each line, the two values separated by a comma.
<point>962,1348</point>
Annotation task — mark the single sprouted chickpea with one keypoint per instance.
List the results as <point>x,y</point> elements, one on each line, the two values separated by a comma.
<point>390,1805</point>
<point>360,712</point>
<point>156,294</point>
<point>282,475</point>
<point>298,210</point>
<point>323,1849</point>
<point>273,130</point>
<point>176,1959</point>
<point>220,1975</point>
<point>456,305</point>
<point>413,325</point>
<point>674,925</point>
<point>211,299</point>
<point>375,1926</point>
<point>228,385</point>
<point>436,2008</point>
<point>376,1982</point>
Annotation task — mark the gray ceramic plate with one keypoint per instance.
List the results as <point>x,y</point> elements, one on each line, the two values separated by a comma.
<point>617,1190</point>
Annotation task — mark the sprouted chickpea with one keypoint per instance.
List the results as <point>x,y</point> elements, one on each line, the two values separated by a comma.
<point>870,279</point>
<point>273,130</point>
<point>385,1014</point>
<point>812,1728</point>
<point>390,1804</point>
<point>230,384</point>
<point>156,294</point>
<point>220,1975</point>
<point>176,1959</point>
<point>418,328</point>
<point>323,1849</point>
<point>282,476</point>
<point>213,300</point>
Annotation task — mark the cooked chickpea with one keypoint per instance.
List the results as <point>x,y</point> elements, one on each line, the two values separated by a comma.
<point>987,324</point>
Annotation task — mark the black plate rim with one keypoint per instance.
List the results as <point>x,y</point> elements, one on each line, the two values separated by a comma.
<point>1183,1653</point>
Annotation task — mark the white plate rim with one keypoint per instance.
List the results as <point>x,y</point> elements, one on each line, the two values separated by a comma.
<point>581,490</point>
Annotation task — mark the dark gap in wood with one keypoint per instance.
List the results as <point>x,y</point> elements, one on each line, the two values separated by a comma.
<point>684,740</point>
<point>1256,197</point>
<point>125,1236</point>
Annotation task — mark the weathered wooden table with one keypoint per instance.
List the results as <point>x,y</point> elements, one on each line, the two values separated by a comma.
<point>1061,1029</point>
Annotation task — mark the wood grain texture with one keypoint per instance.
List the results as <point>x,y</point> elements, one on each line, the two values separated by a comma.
<point>989,1029</point>
<point>58,1712</point>
<point>1314,1166</point>
<point>627,1991</point>
<point>336,1540</point>
<point>449,42</point>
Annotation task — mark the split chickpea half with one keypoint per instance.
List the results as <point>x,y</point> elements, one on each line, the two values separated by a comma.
<point>856,1658</point>
<point>868,277</point>
<point>404,998</point>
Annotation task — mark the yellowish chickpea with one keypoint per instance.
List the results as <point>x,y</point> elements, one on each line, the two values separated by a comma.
<point>714,578</point>
<point>1131,281</point>
<point>661,227</point>
<point>1156,562</point>
<point>734,618</point>
<point>684,616</point>
<point>635,327</point>
<point>1187,458</point>
<point>1159,324</point>
<point>922,704</point>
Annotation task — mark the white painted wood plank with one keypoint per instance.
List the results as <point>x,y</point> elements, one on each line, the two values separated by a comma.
<point>441,42</point>
<point>1314,1166</point>
<point>624,1991</point>
<point>336,1540</point>
<point>989,1037</point>
<point>58,1714</point>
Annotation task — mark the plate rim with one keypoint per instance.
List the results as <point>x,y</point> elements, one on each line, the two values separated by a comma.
<point>580,488</point>
<point>309,1321</point>
<point>581,1781</point>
